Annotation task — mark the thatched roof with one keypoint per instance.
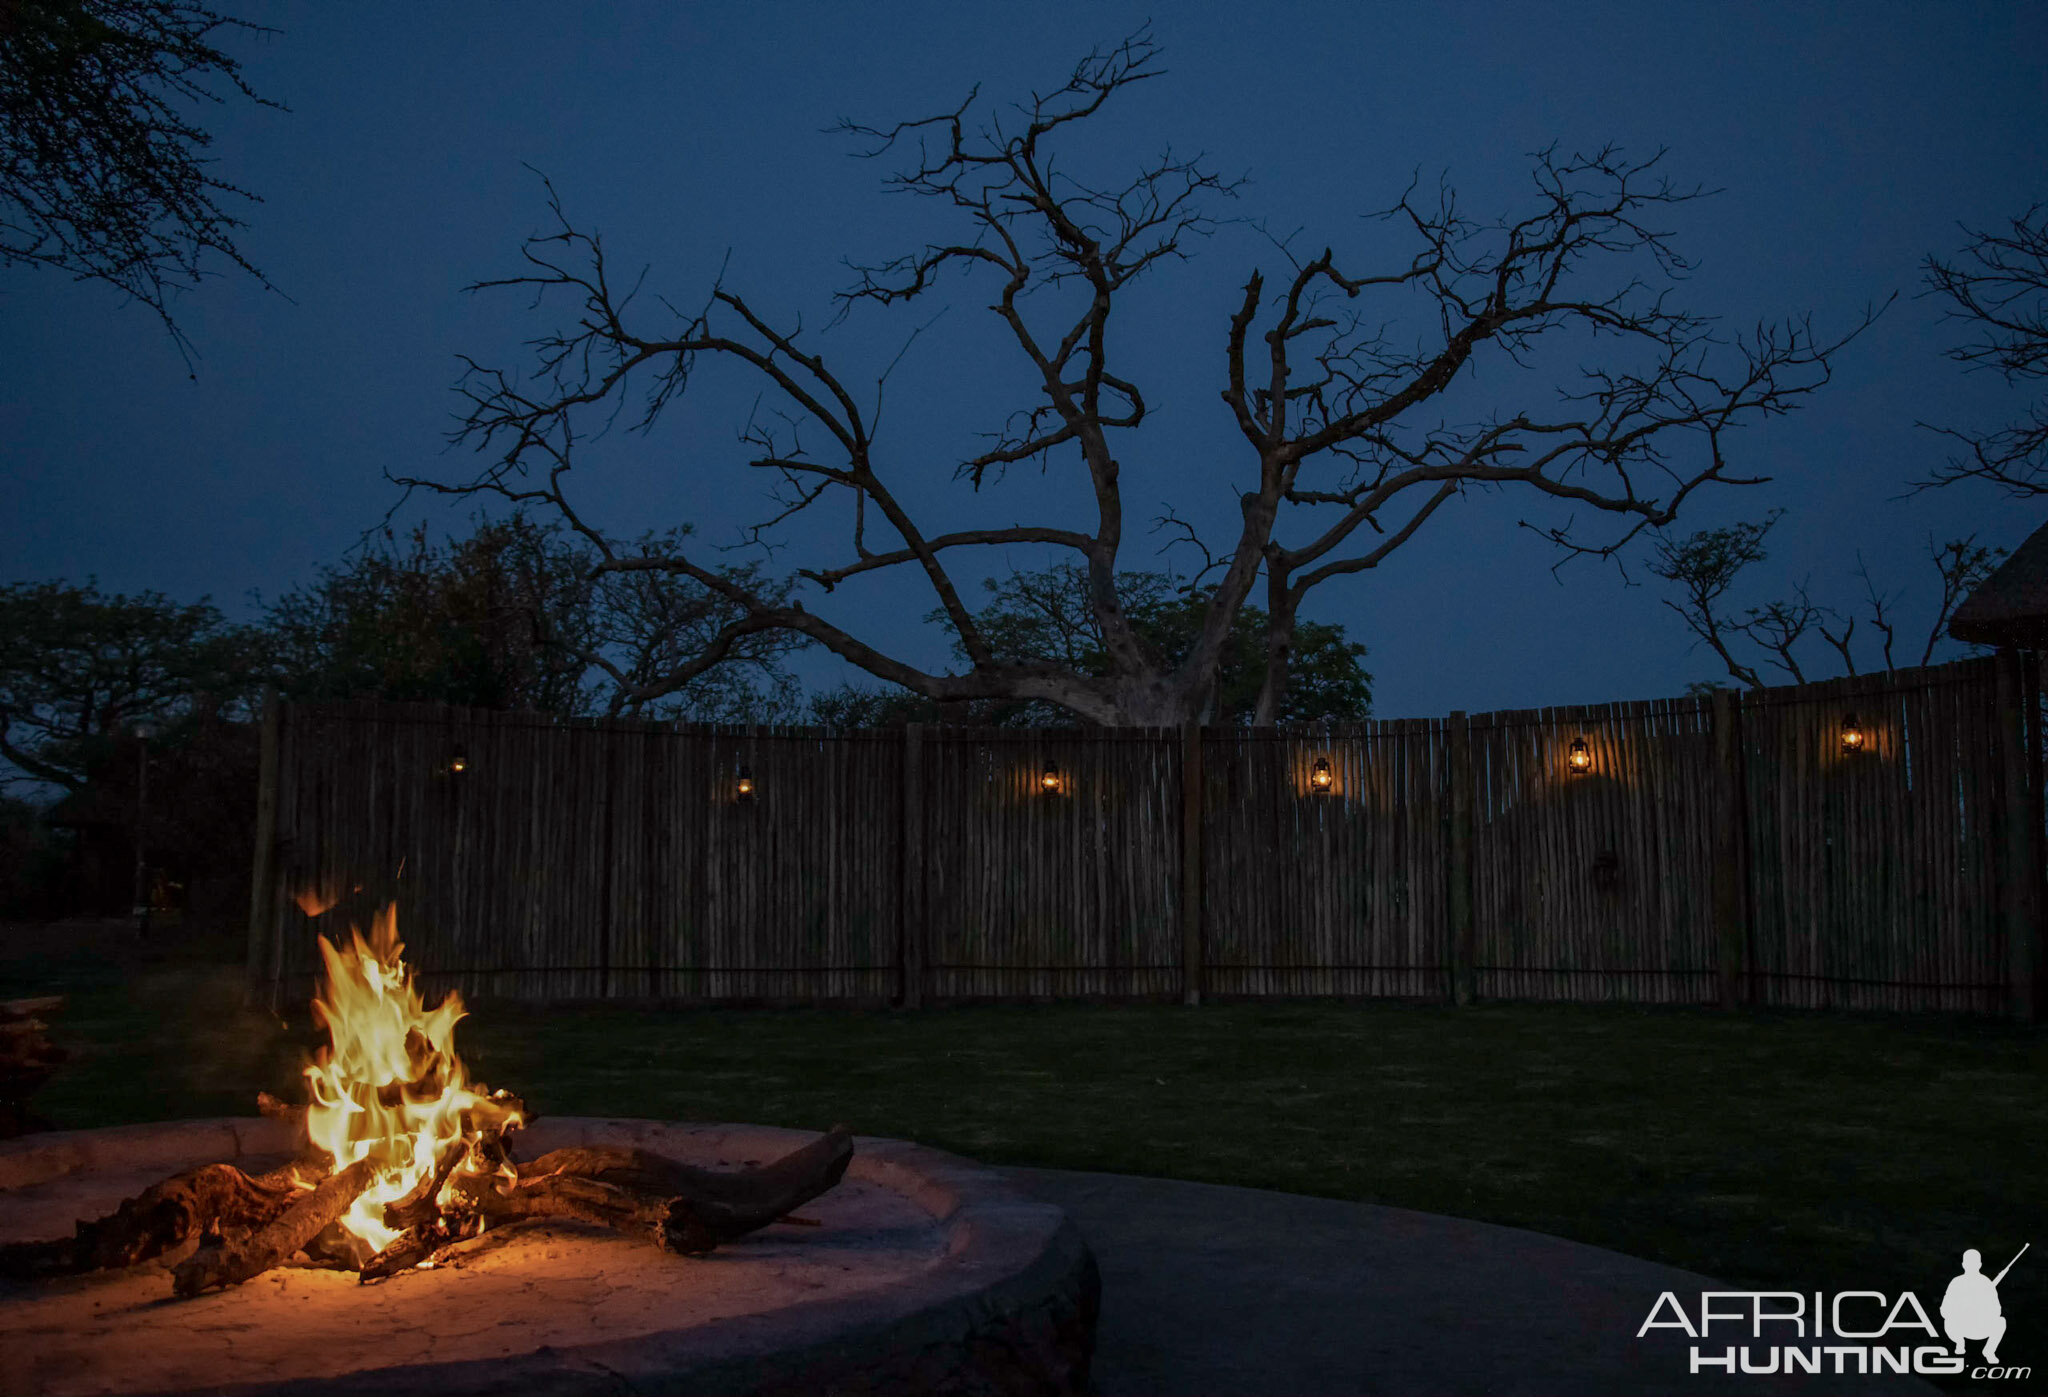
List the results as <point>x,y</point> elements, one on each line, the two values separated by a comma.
<point>2011,608</point>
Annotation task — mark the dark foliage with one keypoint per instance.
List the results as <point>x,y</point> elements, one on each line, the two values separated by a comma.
<point>79,669</point>
<point>512,617</point>
<point>1045,616</point>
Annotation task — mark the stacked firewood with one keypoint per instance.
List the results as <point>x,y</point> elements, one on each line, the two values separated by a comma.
<point>27,1058</point>
<point>216,1226</point>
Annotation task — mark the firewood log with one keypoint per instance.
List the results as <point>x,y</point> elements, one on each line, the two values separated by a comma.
<point>334,1245</point>
<point>583,1200</point>
<point>232,1262</point>
<point>418,1207</point>
<point>699,1208</point>
<point>417,1245</point>
<point>211,1198</point>
<point>277,1110</point>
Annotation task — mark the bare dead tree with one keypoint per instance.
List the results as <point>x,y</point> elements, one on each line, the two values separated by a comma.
<point>1963,565</point>
<point>1779,626</point>
<point>1705,566</point>
<point>1999,287</point>
<point>1337,411</point>
<point>1842,640</point>
<point>1880,605</point>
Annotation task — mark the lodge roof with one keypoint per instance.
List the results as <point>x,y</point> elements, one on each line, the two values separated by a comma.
<point>2011,607</point>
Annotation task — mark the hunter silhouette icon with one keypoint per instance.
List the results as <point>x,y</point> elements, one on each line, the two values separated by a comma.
<point>1970,1309</point>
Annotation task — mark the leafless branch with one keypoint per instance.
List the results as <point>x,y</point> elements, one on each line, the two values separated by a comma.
<point>1333,375</point>
<point>1998,287</point>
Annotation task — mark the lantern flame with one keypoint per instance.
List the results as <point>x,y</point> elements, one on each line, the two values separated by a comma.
<point>388,1086</point>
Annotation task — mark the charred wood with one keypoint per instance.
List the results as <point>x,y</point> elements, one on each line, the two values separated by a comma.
<point>211,1198</point>
<point>232,1262</point>
<point>699,1207</point>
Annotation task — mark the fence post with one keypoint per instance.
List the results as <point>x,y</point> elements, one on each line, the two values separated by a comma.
<point>1464,932</point>
<point>910,931</point>
<point>2017,885</point>
<point>1731,847</point>
<point>263,870</point>
<point>1191,878</point>
<point>2037,814</point>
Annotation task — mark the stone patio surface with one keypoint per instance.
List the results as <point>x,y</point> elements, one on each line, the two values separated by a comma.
<point>1210,1291</point>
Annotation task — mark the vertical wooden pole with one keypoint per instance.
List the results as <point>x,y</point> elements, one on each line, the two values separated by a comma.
<point>1191,877</point>
<point>2037,814</point>
<point>910,941</point>
<point>2019,875</point>
<point>608,911</point>
<point>1464,931</point>
<point>1731,848</point>
<point>263,870</point>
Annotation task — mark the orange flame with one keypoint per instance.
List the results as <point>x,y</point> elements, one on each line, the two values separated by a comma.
<point>388,1087</point>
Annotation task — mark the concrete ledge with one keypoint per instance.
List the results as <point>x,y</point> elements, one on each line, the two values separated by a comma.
<point>170,1146</point>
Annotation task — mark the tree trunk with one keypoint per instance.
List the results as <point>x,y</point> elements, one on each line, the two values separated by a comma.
<point>1279,649</point>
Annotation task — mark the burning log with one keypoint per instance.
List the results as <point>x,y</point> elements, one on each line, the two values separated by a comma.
<point>212,1198</point>
<point>268,1105</point>
<point>336,1248</point>
<point>417,1245</point>
<point>422,1205</point>
<point>230,1263</point>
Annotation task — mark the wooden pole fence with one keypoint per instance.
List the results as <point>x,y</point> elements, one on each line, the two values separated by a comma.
<point>1732,850</point>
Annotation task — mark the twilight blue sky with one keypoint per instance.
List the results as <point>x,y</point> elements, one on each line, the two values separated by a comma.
<point>1848,142</point>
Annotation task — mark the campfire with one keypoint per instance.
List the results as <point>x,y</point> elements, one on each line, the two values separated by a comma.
<point>408,1163</point>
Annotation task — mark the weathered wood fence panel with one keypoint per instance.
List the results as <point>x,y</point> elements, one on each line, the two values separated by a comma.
<point>1760,862</point>
<point>1595,884</point>
<point>573,860</point>
<point>1332,892</point>
<point>1051,863</point>
<point>1875,882</point>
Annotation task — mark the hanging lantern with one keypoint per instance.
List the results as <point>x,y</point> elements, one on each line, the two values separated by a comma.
<point>1852,735</point>
<point>1579,759</point>
<point>1321,779</point>
<point>459,762</point>
<point>1049,779</point>
<point>745,785</point>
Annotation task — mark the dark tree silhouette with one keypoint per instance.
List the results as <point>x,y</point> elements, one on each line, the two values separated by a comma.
<point>102,173</point>
<point>79,668</point>
<point>1704,567</point>
<point>1998,287</point>
<point>1045,615</point>
<point>1340,423</point>
<point>510,616</point>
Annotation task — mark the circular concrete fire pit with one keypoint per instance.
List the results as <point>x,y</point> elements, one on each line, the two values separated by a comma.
<point>923,1274</point>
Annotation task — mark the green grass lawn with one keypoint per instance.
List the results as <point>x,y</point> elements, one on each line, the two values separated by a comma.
<point>1796,1151</point>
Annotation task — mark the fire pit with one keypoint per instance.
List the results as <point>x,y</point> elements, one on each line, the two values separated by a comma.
<point>406,1227</point>
<point>922,1273</point>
